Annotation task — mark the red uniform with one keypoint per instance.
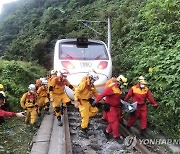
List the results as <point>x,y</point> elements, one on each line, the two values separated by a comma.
<point>6,114</point>
<point>113,96</point>
<point>140,95</point>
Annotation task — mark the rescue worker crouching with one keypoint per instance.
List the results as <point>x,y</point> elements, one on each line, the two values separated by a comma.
<point>58,95</point>
<point>43,100</point>
<point>112,107</point>
<point>83,97</point>
<point>139,94</point>
<point>28,103</point>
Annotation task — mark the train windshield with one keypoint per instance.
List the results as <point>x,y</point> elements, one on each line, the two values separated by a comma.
<point>91,51</point>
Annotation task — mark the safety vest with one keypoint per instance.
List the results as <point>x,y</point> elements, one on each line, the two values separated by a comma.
<point>30,99</point>
<point>137,90</point>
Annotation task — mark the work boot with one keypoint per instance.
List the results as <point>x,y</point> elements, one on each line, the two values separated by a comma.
<point>128,128</point>
<point>47,111</point>
<point>120,140</point>
<point>83,133</point>
<point>106,134</point>
<point>143,132</point>
<point>39,114</point>
<point>59,121</point>
<point>84,130</point>
<point>31,128</point>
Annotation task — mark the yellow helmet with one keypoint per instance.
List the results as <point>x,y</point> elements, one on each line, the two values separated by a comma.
<point>142,80</point>
<point>122,79</point>
<point>1,86</point>
<point>53,72</point>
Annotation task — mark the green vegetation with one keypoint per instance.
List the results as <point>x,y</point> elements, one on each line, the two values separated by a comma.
<point>16,76</point>
<point>145,41</point>
<point>15,137</point>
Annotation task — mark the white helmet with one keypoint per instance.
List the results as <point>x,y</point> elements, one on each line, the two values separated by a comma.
<point>93,75</point>
<point>43,78</point>
<point>31,88</point>
<point>64,72</point>
<point>44,82</point>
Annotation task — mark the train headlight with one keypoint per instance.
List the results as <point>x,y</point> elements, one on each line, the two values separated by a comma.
<point>102,65</point>
<point>67,65</point>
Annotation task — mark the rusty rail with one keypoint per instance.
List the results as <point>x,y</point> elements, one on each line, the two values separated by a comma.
<point>68,146</point>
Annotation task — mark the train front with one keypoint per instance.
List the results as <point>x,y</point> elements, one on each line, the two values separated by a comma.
<point>79,56</point>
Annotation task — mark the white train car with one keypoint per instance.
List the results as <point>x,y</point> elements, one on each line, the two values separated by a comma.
<point>81,55</point>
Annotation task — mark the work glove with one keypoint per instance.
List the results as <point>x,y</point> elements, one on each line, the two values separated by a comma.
<point>91,100</point>
<point>20,114</point>
<point>94,104</point>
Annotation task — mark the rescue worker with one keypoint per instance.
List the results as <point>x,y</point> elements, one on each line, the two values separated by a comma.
<point>112,107</point>
<point>139,94</point>
<point>29,104</point>
<point>58,95</point>
<point>53,74</point>
<point>6,113</point>
<point>43,100</point>
<point>113,79</point>
<point>38,84</point>
<point>5,104</point>
<point>83,98</point>
<point>109,82</point>
<point>2,90</point>
<point>48,76</point>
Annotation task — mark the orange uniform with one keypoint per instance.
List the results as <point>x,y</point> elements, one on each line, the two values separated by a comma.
<point>43,100</point>
<point>140,95</point>
<point>83,93</point>
<point>113,97</point>
<point>28,103</point>
<point>58,94</point>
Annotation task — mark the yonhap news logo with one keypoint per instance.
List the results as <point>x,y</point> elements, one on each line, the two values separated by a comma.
<point>159,141</point>
<point>130,142</point>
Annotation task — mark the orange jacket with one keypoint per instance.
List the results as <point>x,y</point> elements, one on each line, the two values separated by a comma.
<point>110,81</point>
<point>140,95</point>
<point>112,94</point>
<point>42,91</point>
<point>58,85</point>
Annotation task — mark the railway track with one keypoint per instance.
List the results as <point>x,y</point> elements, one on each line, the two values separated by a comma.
<point>95,142</point>
<point>69,139</point>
